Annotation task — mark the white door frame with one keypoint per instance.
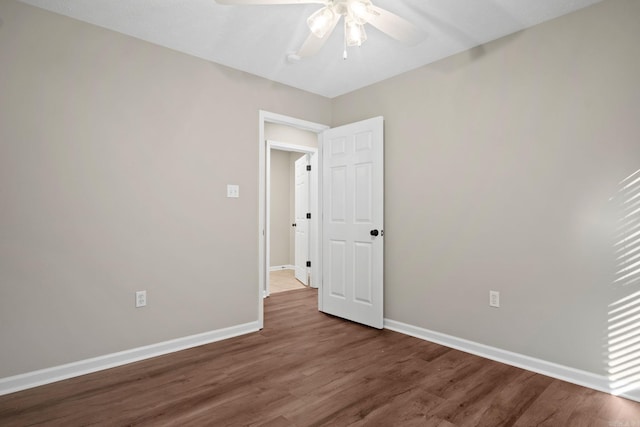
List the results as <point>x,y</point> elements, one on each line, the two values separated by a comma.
<point>268,117</point>
<point>313,202</point>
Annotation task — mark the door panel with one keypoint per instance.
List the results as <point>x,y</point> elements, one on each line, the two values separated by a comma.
<point>353,179</point>
<point>363,269</point>
<point>302,223</point>
<point>363,202</point>
<point>337,262</point>
<point>338,195</point>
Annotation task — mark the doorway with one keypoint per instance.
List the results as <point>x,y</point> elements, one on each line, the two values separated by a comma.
<point>291,231</point>
<point>350,233</point>
<point>266,118</point>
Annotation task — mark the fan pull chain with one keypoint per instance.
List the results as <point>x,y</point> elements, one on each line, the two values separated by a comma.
<point>344,54</point>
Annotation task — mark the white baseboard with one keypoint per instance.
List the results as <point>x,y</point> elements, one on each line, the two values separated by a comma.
<point>87,366</point>
<point>82,367</point>
<point>282,267</point>
<point>564,373</point>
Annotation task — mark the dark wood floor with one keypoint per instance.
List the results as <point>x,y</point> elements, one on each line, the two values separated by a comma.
<point>306,368</point>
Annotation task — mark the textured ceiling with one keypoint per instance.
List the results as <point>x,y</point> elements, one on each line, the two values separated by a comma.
<point>257,39</point>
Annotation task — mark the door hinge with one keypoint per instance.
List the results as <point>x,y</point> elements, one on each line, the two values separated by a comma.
<point>308,167</point>
<point>309,216</point>
<point>308,263</point>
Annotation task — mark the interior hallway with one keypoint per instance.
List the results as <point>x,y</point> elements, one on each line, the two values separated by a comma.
<point>283,280</point>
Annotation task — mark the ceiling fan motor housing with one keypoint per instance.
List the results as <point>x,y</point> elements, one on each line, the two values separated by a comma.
<point>356,13</point>
<point>357,10</point>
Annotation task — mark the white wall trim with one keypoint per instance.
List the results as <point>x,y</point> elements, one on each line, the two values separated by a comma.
<point>286,146</point>
<point>57,373</point>
<point>282,267</point>
<point>87,366</point>
<point>550,369</point>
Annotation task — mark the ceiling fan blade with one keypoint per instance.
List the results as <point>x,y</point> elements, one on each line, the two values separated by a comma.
<point>268,2</point>
<point>313,43</point>
<point>396,27</point>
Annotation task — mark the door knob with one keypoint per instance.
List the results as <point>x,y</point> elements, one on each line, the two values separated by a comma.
<point>294,225</point>
<point>374,232</point>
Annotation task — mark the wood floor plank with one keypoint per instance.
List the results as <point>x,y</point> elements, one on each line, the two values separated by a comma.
<point>306,368</point>
<point>515,398</point>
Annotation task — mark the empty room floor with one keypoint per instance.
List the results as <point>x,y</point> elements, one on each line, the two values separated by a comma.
<point>306,368</point>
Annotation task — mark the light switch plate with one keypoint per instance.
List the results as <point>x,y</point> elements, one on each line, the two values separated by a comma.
<point>141,298</point>
<point>233,191</point>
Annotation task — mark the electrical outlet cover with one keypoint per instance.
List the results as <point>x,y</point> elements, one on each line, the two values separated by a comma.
<point>233,191</point>
<point>141,298</point>
<point>494,299</point>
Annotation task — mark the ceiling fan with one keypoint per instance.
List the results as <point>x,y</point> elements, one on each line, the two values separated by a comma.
<point>356,14</point>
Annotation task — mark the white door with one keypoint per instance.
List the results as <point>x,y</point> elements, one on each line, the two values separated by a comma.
<point>352,224</point>
<point>301,221</point>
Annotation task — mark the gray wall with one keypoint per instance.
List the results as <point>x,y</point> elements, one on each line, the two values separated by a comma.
<point>114,160</point>
<point>280,206</point>
<point>290,135</point>
<point>500,163</point>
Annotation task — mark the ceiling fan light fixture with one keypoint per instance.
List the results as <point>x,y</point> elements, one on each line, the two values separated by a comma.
<point>360,11</point>
<point>355,34</point>
<point>320,21</point>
